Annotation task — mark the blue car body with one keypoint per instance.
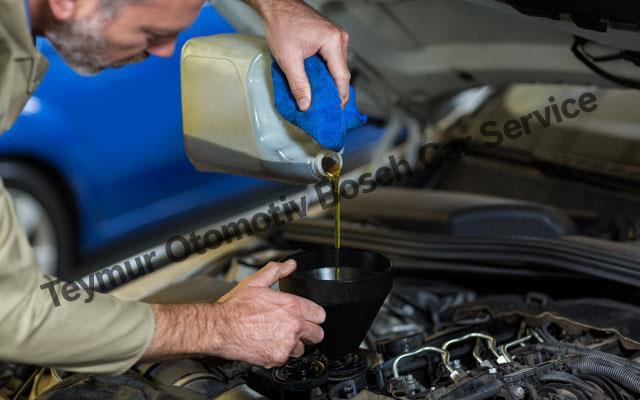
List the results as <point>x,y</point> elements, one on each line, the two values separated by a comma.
<point>115,140</point>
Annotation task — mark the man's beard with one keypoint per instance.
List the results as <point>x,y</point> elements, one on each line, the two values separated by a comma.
<point>82,46</point>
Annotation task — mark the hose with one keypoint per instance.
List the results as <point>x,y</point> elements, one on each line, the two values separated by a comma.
<point>564,377</point>
<point>622,375</point>
<point>556,390</point>
<point>485,392</point>
<point>611,389</point>
<point>582,351</point>
<point>593,362</point>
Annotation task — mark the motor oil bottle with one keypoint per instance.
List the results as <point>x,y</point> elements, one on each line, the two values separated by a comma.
<point>230,122</point>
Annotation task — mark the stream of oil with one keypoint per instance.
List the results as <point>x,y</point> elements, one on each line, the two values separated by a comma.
<point>334,179</point>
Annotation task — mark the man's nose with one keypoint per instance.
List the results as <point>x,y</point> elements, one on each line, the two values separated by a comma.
<point>163,50</point>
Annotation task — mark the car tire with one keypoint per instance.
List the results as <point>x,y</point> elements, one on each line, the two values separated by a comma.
<point>41,209</point>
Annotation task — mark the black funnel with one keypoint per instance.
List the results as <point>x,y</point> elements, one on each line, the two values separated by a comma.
<point>352,302</point>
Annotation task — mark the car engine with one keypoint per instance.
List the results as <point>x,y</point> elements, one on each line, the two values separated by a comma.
<point>496,318</point>
<point>430,340</point>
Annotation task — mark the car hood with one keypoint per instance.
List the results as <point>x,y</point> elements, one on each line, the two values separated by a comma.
<point>417,51</point>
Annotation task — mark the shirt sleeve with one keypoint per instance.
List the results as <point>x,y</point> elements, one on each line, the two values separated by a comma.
<point>106,335</point>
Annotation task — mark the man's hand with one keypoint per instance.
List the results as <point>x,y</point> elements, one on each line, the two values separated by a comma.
<point>296,32</point>
<point>251,323</point>
<point>265,327</point>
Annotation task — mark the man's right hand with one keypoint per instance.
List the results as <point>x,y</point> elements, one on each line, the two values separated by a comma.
<point>261,326</point>
<point>251,323</point>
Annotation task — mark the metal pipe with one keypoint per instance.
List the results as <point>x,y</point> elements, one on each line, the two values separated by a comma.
<point>443,354</point>
<point>491,344</point>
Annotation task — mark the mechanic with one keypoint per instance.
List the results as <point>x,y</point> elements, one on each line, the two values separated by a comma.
<point>251,323</point>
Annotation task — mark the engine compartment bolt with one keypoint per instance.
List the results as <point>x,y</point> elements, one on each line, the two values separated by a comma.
<point>349,390</point>
<point>519,392</point>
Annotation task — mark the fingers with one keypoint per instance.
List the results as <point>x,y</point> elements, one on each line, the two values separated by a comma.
<point>301,307</point>
<point>293,68</point>
<point>335,54</point>
<point>312,312</point>
<point>298,350</point>
<point>311,333</point>
<point>270,274</point>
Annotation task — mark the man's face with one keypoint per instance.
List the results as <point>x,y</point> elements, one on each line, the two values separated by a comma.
<point>99,37</point>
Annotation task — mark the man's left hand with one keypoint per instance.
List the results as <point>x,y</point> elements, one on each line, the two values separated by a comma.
<point>296,32</point>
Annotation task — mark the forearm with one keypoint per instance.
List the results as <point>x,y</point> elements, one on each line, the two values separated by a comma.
<point>269,8</point>
<point>182,330</point>
<point>251,323</point>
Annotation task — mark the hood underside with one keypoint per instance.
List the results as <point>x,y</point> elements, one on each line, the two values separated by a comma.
<point>419,50</point>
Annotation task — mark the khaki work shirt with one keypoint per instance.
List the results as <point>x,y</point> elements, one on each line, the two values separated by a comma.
<point>107,335</point>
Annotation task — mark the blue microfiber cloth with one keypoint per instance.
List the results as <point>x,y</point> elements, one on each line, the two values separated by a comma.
<point>325,120</point>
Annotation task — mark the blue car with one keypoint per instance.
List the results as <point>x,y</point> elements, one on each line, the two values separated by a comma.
<point>97,164</point>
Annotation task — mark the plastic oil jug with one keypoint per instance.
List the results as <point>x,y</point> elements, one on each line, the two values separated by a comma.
<point>229,118</point>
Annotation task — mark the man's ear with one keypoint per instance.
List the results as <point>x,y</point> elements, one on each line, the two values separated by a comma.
<point>63,10</point>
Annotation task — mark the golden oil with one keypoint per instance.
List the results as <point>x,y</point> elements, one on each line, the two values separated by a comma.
<point>333,172</point>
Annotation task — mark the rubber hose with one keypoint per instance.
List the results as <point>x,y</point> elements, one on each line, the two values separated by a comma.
<point>563,377</point>
<point>573,349</point>
<point>486,392</point>
<point>627,377</point>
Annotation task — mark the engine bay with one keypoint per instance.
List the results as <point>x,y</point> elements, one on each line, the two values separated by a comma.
<point>538,312</point>
<point>430,340</point>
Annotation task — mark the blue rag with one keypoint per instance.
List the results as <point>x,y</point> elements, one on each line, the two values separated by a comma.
<point>325,120</point>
